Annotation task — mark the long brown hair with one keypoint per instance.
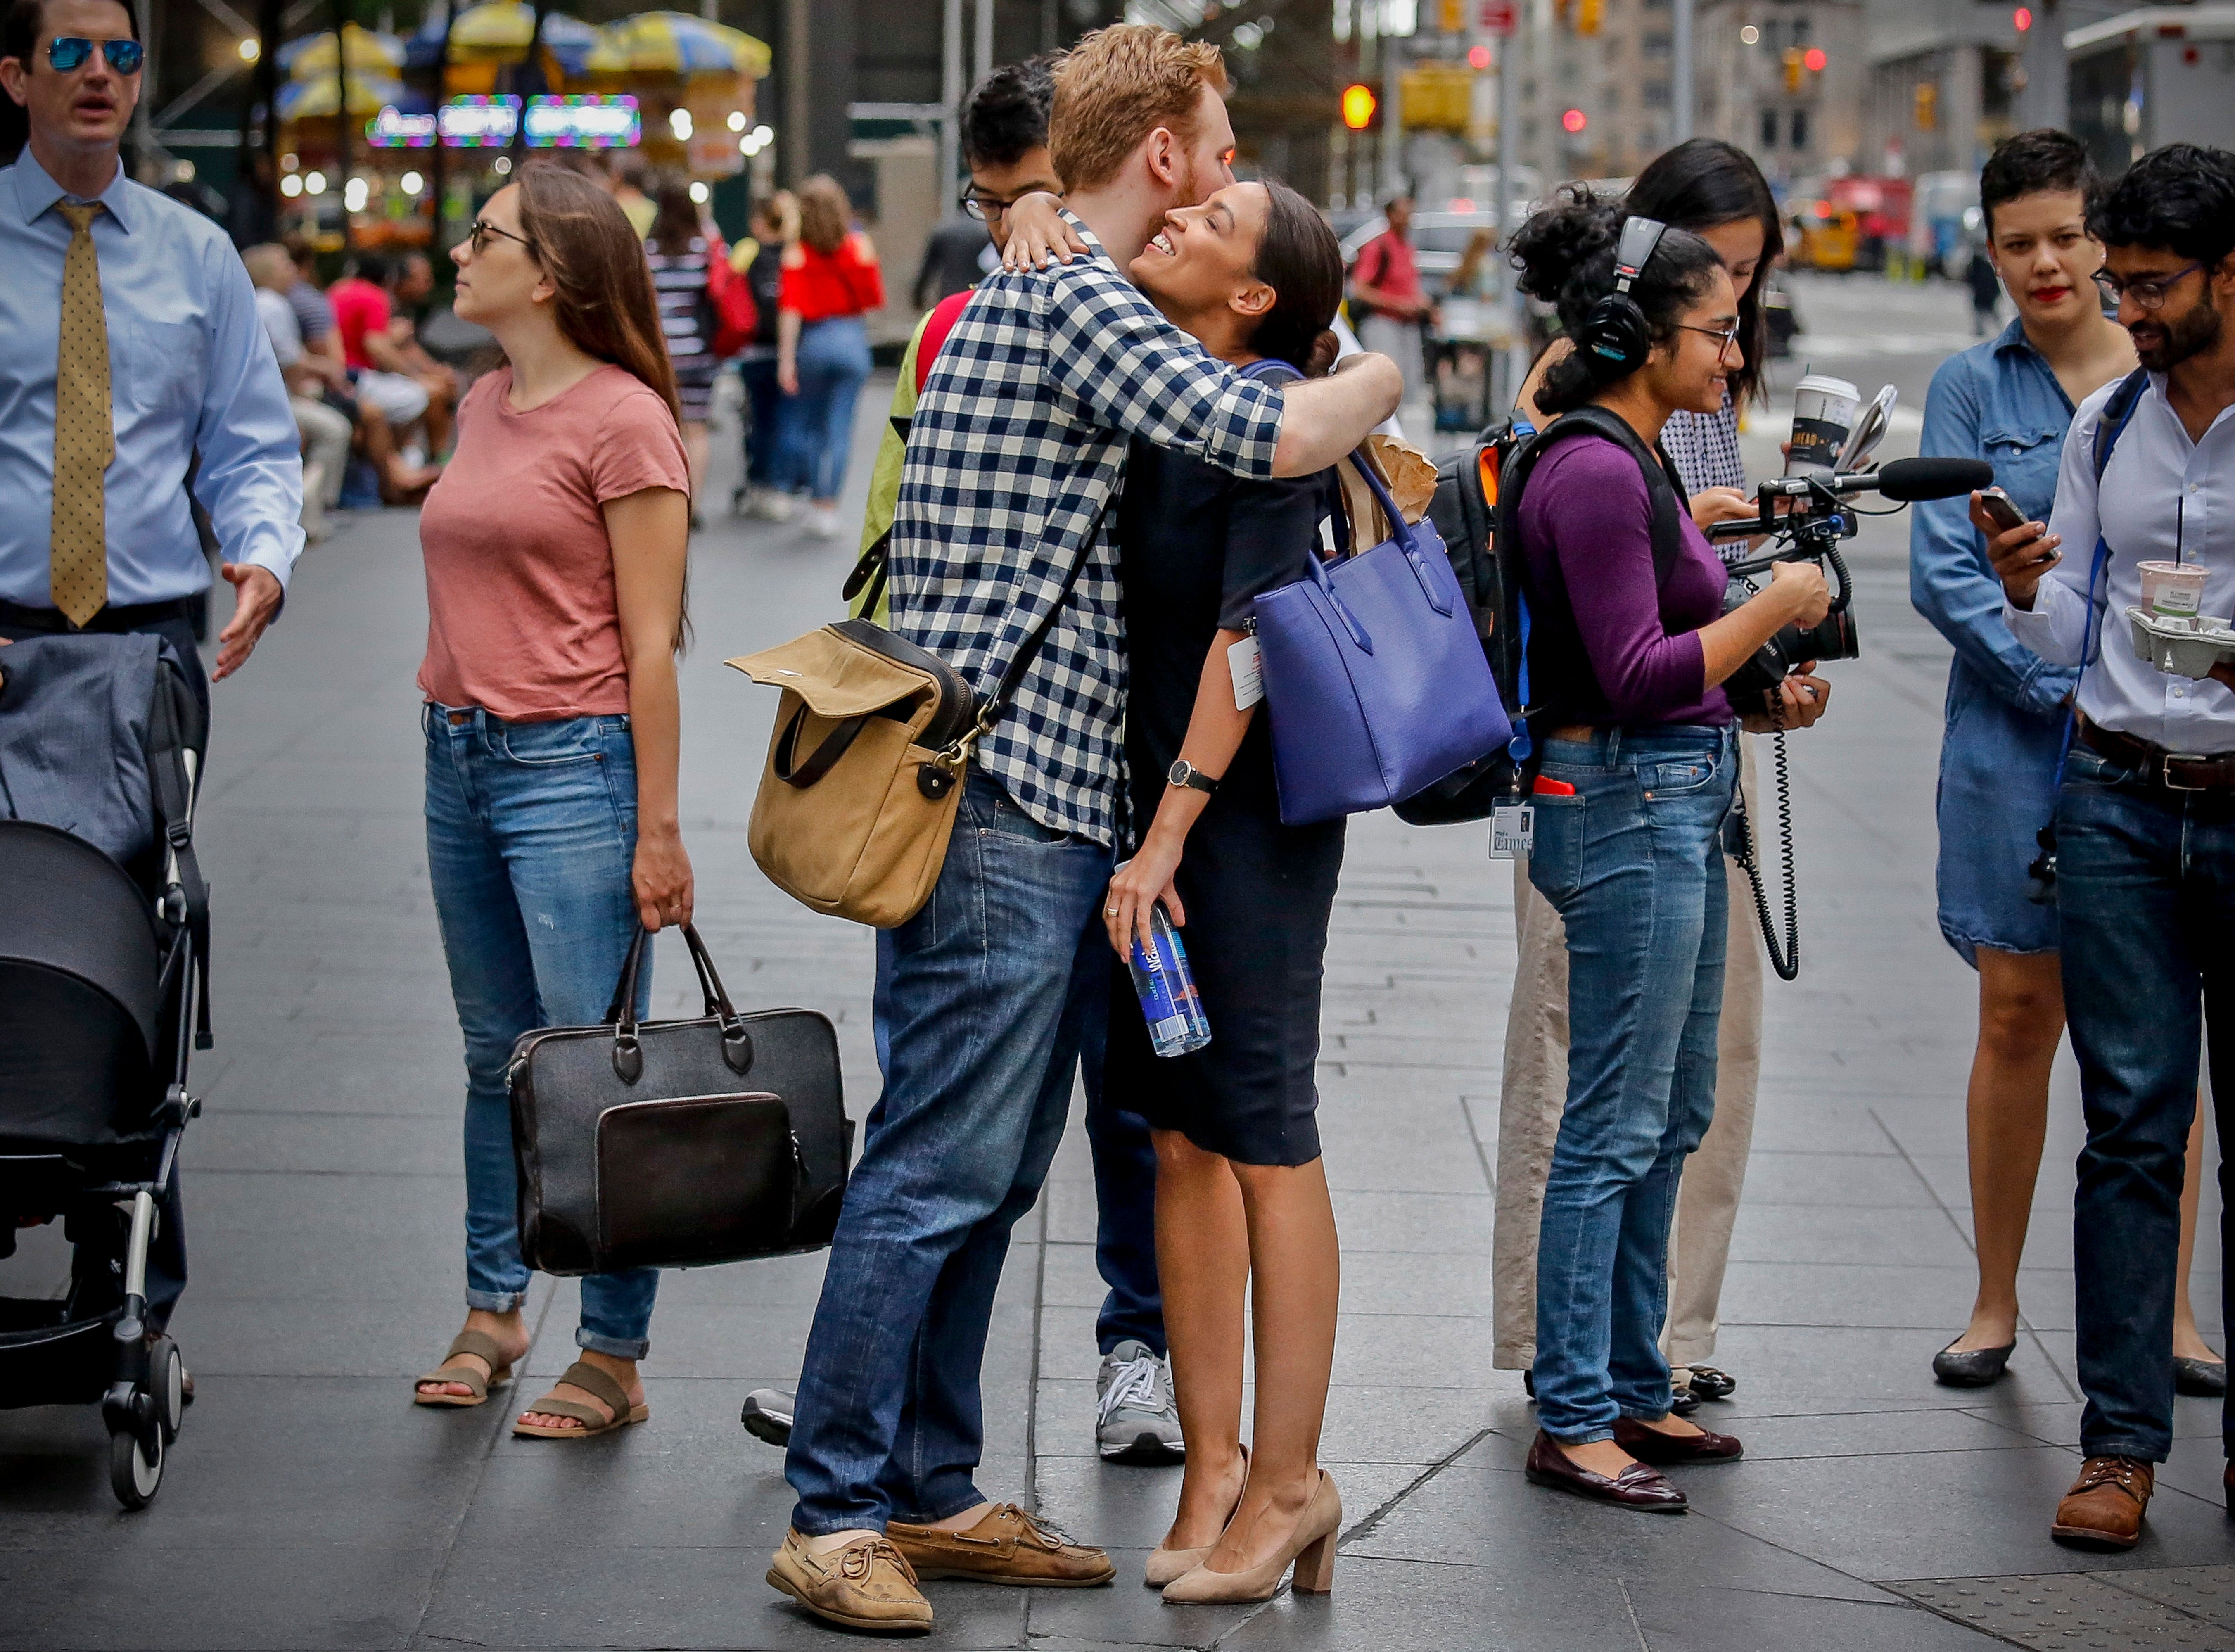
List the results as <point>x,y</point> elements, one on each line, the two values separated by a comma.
<point>605,307</point>
<point>825,213</point>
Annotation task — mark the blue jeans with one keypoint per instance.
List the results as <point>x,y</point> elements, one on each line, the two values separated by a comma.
<point>2145,898</point>
<point>986,992</point>
<point>531,832</point>
<point>1634,863</point>
<point>1124,1178</point>
<point>818,423</point>
<point>764,427</point>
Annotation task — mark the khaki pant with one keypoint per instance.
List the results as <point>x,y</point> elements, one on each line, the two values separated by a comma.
<point>1535,1093</point>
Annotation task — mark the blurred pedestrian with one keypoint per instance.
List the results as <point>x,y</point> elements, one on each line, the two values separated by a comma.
<point>129,349</point>
<point>1241,1202</point>
<point>2010,402</point>
<point>766,491</point>
<point>1388,305</point>
<point>381,380</point>
<point>1986,284</point>
<point>1714,190</point>
<point>677,249</point>
<point>626,175</point>
<point>955,254</point>
<point>556,548</point>
<point>2145,826</point>
<point>326,432</point>
<point>1628,652</point>
<point>830,281</point>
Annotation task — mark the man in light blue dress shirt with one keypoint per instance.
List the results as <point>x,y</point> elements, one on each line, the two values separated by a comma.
<point>189,371</point>
<point>2145,821</point>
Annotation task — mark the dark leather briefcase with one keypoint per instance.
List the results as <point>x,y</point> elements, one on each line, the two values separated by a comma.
<point>677,1144</point>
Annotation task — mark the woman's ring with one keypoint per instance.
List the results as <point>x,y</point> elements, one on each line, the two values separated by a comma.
<point>1110,912</point>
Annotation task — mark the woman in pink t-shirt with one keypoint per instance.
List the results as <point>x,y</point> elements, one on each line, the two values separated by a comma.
<point>555,545</point>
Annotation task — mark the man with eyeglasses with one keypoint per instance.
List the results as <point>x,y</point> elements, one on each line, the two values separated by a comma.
<point>2145,831</point>
<point>130,343</point>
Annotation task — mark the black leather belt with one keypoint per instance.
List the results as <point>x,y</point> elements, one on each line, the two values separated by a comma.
<point>115,618</point>
<point>2173,770</point>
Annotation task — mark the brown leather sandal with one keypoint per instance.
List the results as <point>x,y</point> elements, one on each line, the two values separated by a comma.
<point>592,1379</point>
<point>483,1346</point>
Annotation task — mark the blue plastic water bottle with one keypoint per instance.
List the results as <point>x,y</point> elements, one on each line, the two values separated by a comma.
<point>1168,998</point>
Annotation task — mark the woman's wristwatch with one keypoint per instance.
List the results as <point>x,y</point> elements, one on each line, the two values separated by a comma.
<point>1184,773</point>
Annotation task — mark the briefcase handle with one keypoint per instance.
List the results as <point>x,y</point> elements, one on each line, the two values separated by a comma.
<point>620,1014</point>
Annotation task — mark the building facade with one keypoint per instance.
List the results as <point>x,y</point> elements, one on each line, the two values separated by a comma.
<point>1784,80</point>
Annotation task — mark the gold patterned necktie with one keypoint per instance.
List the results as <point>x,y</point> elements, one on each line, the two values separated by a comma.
<point>85,433</point>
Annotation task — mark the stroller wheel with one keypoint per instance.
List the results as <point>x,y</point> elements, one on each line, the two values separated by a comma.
<point>135,1467</point>
<point>167,1371</point>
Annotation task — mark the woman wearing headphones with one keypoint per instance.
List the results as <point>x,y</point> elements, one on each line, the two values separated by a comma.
<point>1628,648</point>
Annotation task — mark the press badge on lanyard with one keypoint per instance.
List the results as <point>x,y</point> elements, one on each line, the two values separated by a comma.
<point>1243,661</point>
<point>1512,830</point>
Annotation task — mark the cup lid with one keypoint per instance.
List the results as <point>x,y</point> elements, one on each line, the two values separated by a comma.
<point>1824,384</point>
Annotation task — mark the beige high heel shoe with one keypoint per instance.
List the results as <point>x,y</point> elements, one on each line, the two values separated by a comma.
<point>1311,1546</point>
<point>1165,1564</point>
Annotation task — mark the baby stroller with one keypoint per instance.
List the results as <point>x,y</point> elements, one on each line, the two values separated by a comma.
<point>103,993</point>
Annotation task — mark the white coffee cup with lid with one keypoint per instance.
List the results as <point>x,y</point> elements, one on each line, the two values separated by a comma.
<point>1823,412</point>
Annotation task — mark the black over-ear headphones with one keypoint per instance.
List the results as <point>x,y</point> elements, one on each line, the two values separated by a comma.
<point>1615,331</point>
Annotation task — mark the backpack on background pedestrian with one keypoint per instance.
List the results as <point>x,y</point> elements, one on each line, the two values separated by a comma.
<point>556,549</point>
<point>1628,650</point>
<point>830,281</point>
<point>765,494</point>
<point>1015,455</point>
<point>2141,850</point>
<point>131,356</point>
<point>678,249</point>
<point>1715,191</point>
<point>2010,402</point>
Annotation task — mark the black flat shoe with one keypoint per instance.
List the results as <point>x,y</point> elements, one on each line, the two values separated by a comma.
<point>1711,1384</point>
<point>1976,1368</point>
<point>1683,1402</point>
<point>1637,1486</point>
<point>2200,1378</point>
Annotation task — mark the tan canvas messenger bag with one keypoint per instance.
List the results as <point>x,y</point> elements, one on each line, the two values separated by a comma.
<point>872,738</point>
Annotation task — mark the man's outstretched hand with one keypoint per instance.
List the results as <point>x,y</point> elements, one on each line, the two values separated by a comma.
<point>256,598</point>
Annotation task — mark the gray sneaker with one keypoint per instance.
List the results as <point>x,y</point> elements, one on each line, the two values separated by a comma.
<point>767,1415</point>
<point>1135,1420</point>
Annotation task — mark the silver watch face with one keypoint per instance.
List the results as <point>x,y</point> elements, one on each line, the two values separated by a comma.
<point>1180,772</point>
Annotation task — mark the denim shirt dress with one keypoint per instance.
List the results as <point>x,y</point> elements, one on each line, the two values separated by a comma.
<point>2000,402</point>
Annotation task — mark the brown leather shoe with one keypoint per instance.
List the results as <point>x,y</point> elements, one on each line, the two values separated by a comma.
<point>1649,1446</point>
<point>866,1585</point>
<point>2104,1508</point>
<point>1636,1487</point>
<point>1007,1546</point>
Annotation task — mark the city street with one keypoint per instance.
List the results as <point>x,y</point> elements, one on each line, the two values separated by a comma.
<point>308,1503</point>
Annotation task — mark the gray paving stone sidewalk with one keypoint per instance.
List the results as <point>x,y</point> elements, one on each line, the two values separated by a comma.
<point>308,1503</point>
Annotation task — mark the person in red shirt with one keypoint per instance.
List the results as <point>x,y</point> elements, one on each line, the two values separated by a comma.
<point>391,400</point>
<point>1386,300</point>
<point>831,281</point>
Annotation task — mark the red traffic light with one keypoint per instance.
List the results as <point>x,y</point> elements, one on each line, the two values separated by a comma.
<point>1815,60</point>
<point>2023,18</point>
<point>1574,121</point>
<point>1358,107</point>
<point>1478,57</point>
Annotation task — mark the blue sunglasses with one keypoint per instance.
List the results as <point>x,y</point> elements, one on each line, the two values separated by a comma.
<point>69,52</point>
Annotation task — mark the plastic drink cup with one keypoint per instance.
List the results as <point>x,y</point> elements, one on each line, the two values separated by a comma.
<point>1823,412</point>
<point>2173,588</point>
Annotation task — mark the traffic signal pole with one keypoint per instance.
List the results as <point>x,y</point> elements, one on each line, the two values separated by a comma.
<point>1680,96</point>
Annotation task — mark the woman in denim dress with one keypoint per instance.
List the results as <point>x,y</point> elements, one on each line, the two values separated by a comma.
<point>2010,401</point>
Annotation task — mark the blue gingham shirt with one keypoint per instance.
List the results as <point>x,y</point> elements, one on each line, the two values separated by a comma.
<point>1017,443</point>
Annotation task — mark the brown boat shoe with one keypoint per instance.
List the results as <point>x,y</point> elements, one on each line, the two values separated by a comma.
<point>866,1585</point>
<point>2104,1508</point>
<point>1007,1546</point>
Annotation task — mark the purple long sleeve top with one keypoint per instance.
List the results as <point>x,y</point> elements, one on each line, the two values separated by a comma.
<point>1587,524</point>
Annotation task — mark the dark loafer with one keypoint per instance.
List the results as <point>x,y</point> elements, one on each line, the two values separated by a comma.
<point>1711,1384</point>
<point>1974,1369</point>
<point>2200,1378</point>
<point>1648,1445</point>
<point>1637,1486</point>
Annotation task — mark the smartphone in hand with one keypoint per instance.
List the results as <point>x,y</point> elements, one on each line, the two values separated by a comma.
<point>2000,511</point>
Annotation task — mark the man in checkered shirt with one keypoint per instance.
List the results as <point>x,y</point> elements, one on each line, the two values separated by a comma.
<point>1015,454</point>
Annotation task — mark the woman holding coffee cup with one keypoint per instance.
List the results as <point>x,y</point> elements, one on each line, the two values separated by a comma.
<point>2010,401</point>
<point>1717,192</point>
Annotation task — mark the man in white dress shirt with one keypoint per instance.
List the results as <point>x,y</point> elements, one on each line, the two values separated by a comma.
<point>2145,871</point>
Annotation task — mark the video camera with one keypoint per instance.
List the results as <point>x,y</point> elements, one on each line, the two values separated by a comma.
<point>1807,516</point>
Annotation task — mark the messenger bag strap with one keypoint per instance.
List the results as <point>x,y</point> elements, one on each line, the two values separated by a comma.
<point>989,712</point>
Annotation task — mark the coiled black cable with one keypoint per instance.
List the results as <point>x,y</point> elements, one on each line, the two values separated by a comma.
<point>1785,961</point>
